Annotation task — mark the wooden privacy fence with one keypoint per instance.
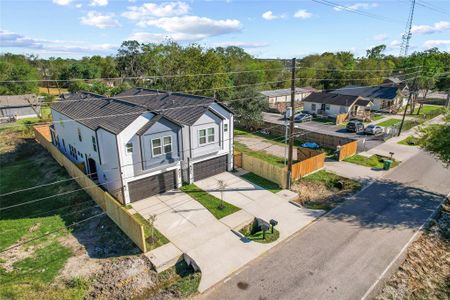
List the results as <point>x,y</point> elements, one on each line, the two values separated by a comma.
<point>348,150</point>
<point>310,162</point>
<point>119,214</point>
<point>341,118</point>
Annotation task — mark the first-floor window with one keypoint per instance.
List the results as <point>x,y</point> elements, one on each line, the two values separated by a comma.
<point>94,144</point>
<point>327,106</point>
<point>313,107</point>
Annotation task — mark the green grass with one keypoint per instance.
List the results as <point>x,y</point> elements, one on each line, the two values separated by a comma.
<point>377,117</point>
<point>375,161</point>
<point>269,158</point>
<point>428,109</point>
<point>262,182</point>
<point>389,122</point>
<point>409,141</point>
<point>180,281</point>
<point>158,238</point>
<point>258,236</point>
<point>210,202</point>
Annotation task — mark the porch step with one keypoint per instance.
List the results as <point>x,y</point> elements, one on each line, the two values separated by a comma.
<point>164,257</point>
<point>237,220</point>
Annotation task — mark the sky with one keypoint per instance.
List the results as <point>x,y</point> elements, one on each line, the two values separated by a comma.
<point>266,29</point>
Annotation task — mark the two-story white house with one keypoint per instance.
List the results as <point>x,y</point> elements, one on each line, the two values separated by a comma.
<point>144,142</point>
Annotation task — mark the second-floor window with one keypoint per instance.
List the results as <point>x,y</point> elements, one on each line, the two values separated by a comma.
<point>206,136</point>
<point>161,145</point>
<point>129,147</point>
<point>94,144</point>
<point>79,134</point>
<point>225,127</point>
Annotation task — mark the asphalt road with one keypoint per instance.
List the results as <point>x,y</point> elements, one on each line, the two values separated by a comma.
<point>344,253</point>
<point>370,140</point>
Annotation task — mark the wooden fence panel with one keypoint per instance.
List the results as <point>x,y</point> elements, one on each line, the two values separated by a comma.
<point>265,170</point>
<point>237,158</point>
<point>307,166</point>
<point>341,118</point>
<point>348,150</point>
<point>120,215</point>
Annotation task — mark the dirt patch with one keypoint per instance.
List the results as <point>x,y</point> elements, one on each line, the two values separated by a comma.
<point>425,273</point>
<point>122,278</point>
<point>317,194</point>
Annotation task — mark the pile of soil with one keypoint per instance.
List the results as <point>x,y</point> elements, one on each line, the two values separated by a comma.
<point>425,273</point>
<point>316,194</point>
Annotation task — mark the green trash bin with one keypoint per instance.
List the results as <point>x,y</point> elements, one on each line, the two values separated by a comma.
<point>387,164</point>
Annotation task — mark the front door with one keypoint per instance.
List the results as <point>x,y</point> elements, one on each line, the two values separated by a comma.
<point>92,169</point>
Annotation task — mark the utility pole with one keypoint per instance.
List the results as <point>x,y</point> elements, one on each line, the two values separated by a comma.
<point>291,125</point>
<point>447,104</point>
<point>412,91</point>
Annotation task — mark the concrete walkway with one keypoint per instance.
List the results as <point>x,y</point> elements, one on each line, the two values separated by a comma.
<point>353,171</point>
<point>211,244</point>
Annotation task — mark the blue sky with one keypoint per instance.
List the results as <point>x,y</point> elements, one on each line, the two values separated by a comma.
<point>267,29</point>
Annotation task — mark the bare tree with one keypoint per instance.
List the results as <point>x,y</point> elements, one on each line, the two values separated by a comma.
<point>222,187</point>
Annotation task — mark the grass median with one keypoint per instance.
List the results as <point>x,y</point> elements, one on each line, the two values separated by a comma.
<point>215,206</point>
<point>262,182</point>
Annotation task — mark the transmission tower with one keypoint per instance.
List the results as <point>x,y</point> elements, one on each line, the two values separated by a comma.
<point>407,35</point>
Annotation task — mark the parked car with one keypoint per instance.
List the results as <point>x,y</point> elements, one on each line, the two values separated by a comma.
<point>373,129</point>
<point>309,113</point>
<point>301,117</point>
<point>284,114</point>
<point>355,126</point>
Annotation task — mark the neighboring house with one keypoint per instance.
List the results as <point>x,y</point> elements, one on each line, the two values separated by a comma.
<point>384,98</point>
<point>280,99</point>
<point>19,107</point>
<point>332,105</point>
<point>144,142</point>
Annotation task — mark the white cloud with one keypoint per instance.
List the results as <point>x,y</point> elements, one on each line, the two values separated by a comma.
<point>302,14</point>
<point>380,37</point>
<point>428,29</point>
<point>436,43</point>
<point>149,37</point>
<point>62,2</point>
<point>395,43</point>
<point>79,5</point>
<point>356,6</point>
<point>246,45</point>
<point>149,11</point>
<point>268,15</point>
<point>98,3</point>
<point>99,20</point>
<point>191,28</point>
<point>14,40</point>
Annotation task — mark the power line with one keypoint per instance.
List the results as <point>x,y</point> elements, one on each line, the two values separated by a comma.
<point>356,11</point>
<point>433,7</point>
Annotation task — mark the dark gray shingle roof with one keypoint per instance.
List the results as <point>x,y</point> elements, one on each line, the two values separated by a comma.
<point>381,92</point>
<point>329,98</point>
<point>96,111</point>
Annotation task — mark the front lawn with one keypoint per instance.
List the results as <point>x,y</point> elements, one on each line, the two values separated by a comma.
<point>375,161</point>
<point>428,109</point>
<point>389,122</point>
<point>155,241</point>
<point>271,159</point>
<point>377,117</point>
<point>262,182</point>
<point>210,202</point>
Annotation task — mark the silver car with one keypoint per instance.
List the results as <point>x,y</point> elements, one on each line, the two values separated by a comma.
<point>373,129</point>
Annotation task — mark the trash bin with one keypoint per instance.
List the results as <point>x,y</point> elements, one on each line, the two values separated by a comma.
<point>387,164</point>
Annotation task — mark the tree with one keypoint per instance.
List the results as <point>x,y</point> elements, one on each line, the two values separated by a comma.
<point>435,138</point>
<point>376,52</point>
<point>129,59</point>
<point>18,68</point>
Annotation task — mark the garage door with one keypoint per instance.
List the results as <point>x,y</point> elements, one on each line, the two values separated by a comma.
<point>153,185</point>
<point>210,167</point>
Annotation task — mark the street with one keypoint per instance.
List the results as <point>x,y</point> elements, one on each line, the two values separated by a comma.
<point>370,141</point>
<point>345,253</point>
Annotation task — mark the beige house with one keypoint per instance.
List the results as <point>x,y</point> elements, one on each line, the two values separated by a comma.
<point>280,99</point>
<point>332,105</point>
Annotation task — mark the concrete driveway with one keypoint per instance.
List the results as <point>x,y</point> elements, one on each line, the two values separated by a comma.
<point>258,202</point>
<point>210,243</point>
